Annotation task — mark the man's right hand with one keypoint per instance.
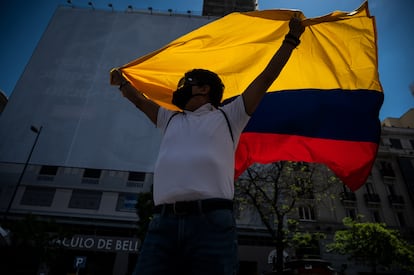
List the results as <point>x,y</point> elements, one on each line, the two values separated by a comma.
<point>116,77</point>
<point>296,27</point>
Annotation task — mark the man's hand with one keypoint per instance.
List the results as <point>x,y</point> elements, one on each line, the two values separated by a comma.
<point>296,27</point>
<point>116,77</point>
<point>150,108</point>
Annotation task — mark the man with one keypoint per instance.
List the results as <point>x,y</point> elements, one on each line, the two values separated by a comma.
<point>193,229</point>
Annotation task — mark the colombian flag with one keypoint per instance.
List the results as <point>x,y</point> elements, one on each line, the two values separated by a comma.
<point>322,108</point>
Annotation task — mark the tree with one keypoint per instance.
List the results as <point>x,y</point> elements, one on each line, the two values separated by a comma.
<point>34,238</point>
<point>276,191</point>
<point>305,243</point>
<point>145,208</point>
<point>374,245</point>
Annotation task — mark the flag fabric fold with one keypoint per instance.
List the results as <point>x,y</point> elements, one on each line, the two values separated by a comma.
<point>324,105</point>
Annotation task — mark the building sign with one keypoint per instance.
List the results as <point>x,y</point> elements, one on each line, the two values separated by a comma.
<point>101,243</point>
<point>80,262</point>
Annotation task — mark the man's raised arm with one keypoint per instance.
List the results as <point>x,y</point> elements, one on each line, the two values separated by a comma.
<point>147,106</point>
<point>257,89</point>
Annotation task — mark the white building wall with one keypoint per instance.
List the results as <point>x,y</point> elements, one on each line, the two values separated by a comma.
<point>65,88</point>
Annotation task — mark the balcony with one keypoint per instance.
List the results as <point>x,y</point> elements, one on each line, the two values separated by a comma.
<point>387,173</point>
<point>348,196</point>
<point>371,198</point>
<point>396,200</point>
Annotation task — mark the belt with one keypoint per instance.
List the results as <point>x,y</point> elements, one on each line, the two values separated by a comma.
<point>183,208</point>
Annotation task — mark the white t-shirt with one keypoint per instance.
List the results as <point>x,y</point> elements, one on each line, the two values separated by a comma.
<point>196,157</point>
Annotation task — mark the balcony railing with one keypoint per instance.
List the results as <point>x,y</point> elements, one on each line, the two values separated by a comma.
<point>348,196</point>
<point>387,173</point>
<point>372,198</point>
<point>395,199</point>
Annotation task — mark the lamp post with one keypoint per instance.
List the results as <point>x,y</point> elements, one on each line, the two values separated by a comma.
<point>37,132</point>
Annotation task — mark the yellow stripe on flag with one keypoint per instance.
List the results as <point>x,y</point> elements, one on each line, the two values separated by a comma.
<point>338,51</point>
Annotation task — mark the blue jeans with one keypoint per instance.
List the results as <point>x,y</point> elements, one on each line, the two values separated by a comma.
<point>198,244</point>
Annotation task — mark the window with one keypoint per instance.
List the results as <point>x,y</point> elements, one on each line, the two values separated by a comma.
<point>136,176</point>
<point>386,169</point>
<point>306,213</point>
<point>383,142</point>
<point>91,176</point>
<point>92,173</point>
<point>400,219</point>
<point>136,179</point>
<point>389,181</point>
<point>370,188</point>
<point>38,196</point>
<point>85,199</point>
<point>346,188</point>
<point>351,213</point>
<point>127,202</point>
<point>391,189</point>
<point>347,195</point>
<point>47,172</point>
<point>371,197</point>
<point>395,143</point>
<point>375,216</point>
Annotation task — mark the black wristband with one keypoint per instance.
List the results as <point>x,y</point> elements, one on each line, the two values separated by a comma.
<point>291,39</point>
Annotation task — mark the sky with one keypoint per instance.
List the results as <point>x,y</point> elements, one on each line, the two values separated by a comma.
<point>23,22</point>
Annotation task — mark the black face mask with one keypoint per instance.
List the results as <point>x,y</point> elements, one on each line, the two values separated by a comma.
<point>182,95</point>
<point>184,92</point>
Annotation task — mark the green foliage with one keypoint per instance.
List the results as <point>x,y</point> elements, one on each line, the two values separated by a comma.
<point>303,239</point>
<point>373,244</point>
<point>275,191</point>
<point>306,243</point>
<point>36,239</point>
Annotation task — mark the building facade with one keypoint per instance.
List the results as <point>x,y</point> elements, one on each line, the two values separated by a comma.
<point>72,149</point>
<point>3,101</point>
<point>75,152</point>
<point>97,206</point>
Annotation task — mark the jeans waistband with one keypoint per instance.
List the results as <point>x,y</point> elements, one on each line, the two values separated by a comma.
<point>183,208</point>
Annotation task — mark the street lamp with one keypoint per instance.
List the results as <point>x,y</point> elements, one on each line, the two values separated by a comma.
<point>37,132</point>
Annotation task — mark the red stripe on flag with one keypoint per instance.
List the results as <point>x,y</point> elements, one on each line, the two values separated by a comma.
<point>351,161</point>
